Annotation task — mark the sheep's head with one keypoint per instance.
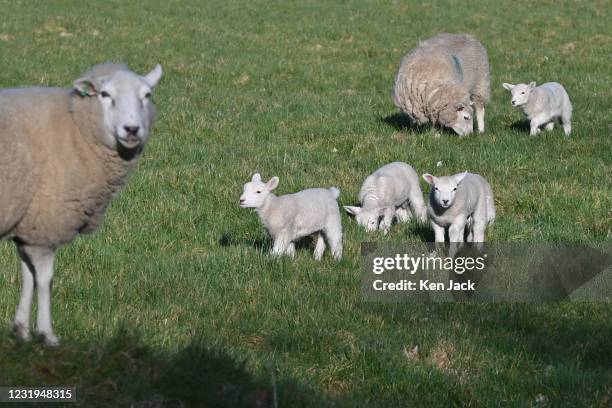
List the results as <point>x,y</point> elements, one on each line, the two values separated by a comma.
<point>366,217</point>
<point>455,108</point>
<point>254,192</point>
<point>125,102</point>
<point>520,92</point>
<point>444,188</point>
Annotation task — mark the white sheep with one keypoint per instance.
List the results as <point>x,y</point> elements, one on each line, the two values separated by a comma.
<point>289,217</point>
<point>543,105</point>
<point>390,192</point>
<point>64,153</point>
<point>459,201</point>
<point>441,79</point>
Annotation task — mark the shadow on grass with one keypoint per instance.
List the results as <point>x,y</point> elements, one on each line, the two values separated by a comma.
<point>521,126</point>
<point>124,371</point>
<point>227,240</point>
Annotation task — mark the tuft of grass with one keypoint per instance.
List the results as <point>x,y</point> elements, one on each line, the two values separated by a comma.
<point>175,300</point>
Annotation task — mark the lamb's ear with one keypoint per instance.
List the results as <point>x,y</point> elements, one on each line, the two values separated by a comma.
<point>430,179</point>
<point>532,85</point>
<point>154,76</point>
<point>86,87</point>
<point>256,177</point>
<point>508,86</point>
<point>352,210</point>
<point>459,177</point>
<point>272,183</point>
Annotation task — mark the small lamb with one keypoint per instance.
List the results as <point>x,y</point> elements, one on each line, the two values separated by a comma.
<point>390,192</point>
<point>293,216</point>
<point>543,105</point>
<point>464,199</point>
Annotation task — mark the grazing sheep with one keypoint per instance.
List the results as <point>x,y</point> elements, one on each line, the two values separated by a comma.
<point>543,105</point>
<point>390,192</point>
<point>293,216</point>
<point>64,153</point>
<point>441,79</point>
<point>457,201</point>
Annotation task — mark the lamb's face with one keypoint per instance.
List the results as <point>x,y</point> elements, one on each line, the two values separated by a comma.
<point>463,124</point>
<point>520,92</point>
<point>127,110</point>
<point>368,218</point>
<point>444,189</point>
<point>254,193</point>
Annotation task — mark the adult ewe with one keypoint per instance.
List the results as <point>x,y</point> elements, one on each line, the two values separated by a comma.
<point>441,79</point>
<point>64,153</point>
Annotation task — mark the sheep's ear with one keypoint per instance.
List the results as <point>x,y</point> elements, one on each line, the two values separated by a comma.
<point>86,87</point>
<point>507,86</point>
<point>256,177</point>
<point>430,179</point>
<point>532,85</point>
<point>352,210</point>
<point>459,177</point>
<point>272,183</point>
<point>154,76</point>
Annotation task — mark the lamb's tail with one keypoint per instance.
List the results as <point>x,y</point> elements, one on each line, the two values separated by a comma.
<point>335,192</point>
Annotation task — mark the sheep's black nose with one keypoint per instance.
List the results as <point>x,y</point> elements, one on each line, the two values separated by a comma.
<point>445,201</point>
<point>131,129</point>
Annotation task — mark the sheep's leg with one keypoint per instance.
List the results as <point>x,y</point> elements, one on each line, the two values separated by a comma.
<point>566,119</point>
<point>290,251</point>
<point>480,112</point>
<point>479,233</point>
<point>439,234</point>
<point>550,125</point>
<point>333,234</point>
<point>22,316</point>
<point>387,220</point>
<point>40,262</point>
<point>319,247</point>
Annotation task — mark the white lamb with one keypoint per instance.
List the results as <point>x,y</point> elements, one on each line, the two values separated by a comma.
<point>543,105</point>
<point>289,217</point>
<point>390,192</point>
<point>457,201</point>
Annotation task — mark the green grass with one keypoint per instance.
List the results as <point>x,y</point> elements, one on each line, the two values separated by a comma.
<point>175,300</point>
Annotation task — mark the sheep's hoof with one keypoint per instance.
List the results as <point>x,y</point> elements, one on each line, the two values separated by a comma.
<point>49,339</point>
<point>21,332</point>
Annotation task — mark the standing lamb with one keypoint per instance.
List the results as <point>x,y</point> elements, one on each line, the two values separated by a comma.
<point>457,201</point>
<point>390,192</point>
<point>543,105</point>
<point>441,79</point>
<point>64,153</point>
<point>293,216</point>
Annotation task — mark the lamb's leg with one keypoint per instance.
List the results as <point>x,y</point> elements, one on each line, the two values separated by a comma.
<point>319,247</point>
<point>387,220</point>
<point>455,236</point>
<point>439,237</point>
<point>402,214</point>
<point>22,316</point>
<point>566,119</point>
<point>333,234</point>
<point>550,125</point>
<point>480,112</point>
<point>419,209</point>
<point>40,259</point>
<point>280,246</point>
<point>479,233</point>
<point>535,124</point>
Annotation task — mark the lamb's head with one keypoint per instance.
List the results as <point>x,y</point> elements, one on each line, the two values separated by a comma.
<point>125,102</point>
<point>520,92</point>
<point>366,217</point>
<point>444,188</point>
<point>255,192</point>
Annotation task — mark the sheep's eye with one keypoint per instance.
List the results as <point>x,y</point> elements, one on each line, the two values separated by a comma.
<point>522,93</point>
<point>258,192</point>
<point>147,95</point>
<point>436,188</point>
<point>104,94</point>
<point>455,189</point>
<point>466,117</point>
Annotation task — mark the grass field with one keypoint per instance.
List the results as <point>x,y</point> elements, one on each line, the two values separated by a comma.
<point>175,300</point>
